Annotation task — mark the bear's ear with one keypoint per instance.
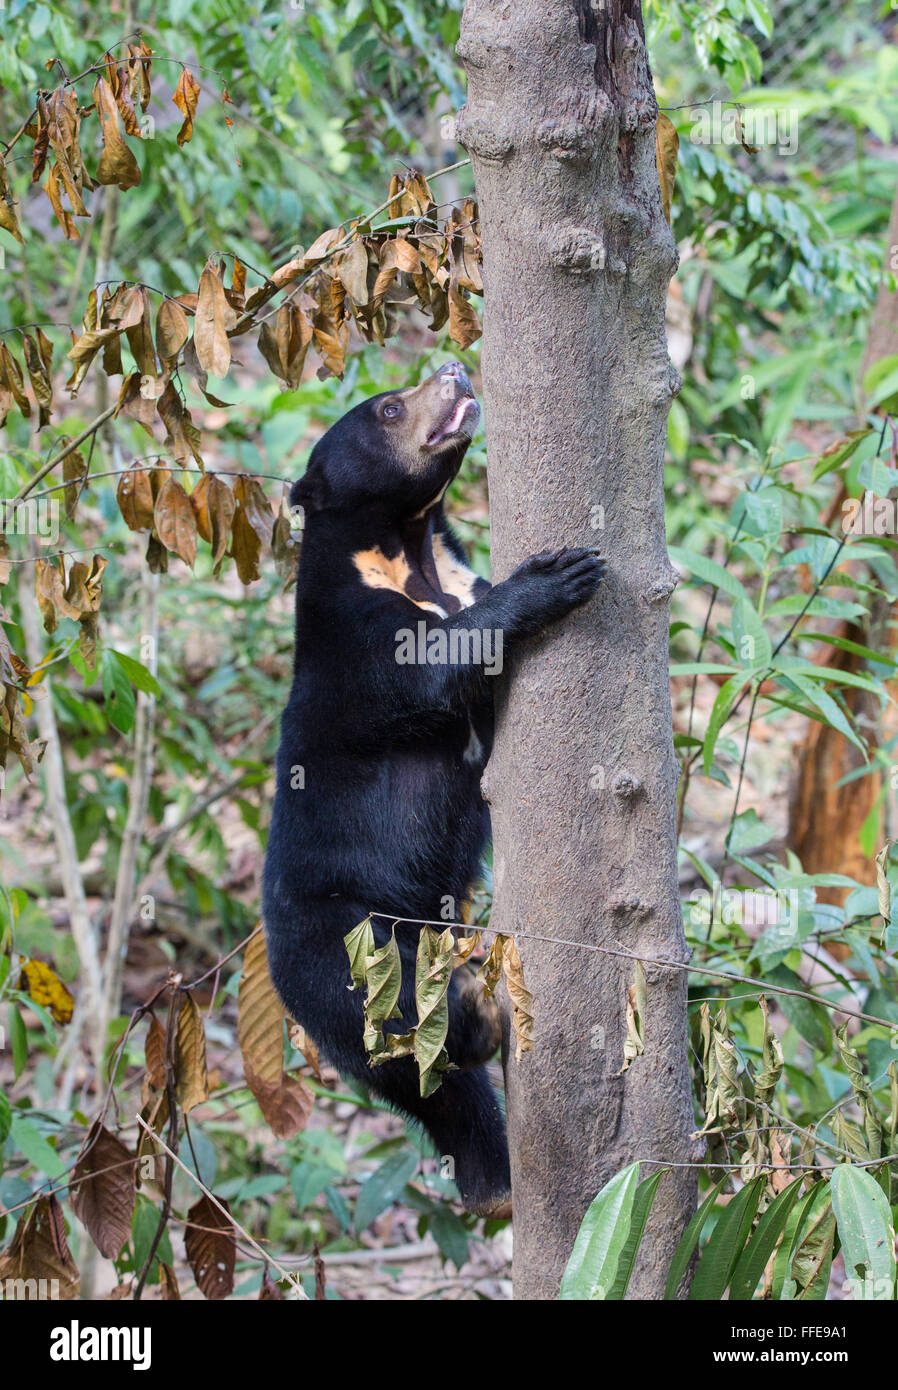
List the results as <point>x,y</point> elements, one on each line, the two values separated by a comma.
<point>310,492</point>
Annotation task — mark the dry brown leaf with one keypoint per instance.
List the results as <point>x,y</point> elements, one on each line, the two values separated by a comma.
<point>104,1190</point>
<point>667,145</point>
<point>351,266</point>
<point>209,1241</point>
<point>172,331</point>
<point>175,522</point>
<point>136,406</point>
<point>464,325</point>
<point>213,318</point>
<point>39,1251</point>
<point>154,1053</point>
<point>117,163</point>
<point>41,139</point>
<point>74,469</point>
<point>191,1076</point>
<point>170,1290</point>
<point>284,342</point>
<point>182,437</point>
<point>140,336</point>
<point>260,1014</point>
<point>135,499</point>
<point>50,586</point>
<point>303,1043</point>
<point>214,505</point>
<point>8,219</point>
<point>15,381</point>
<point>331,340</point>
<point>321,246</point>
<point>521,998</point>
<point>156,1113</point>
<point>490,971</point>
<point>286,1103</point>
<point>186,96</point>
<point>269,1290</point>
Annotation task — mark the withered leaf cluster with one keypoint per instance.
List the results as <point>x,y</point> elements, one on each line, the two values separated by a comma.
<point>236,521</point>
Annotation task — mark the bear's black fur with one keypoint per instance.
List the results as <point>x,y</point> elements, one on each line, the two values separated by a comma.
<point>378,805</point>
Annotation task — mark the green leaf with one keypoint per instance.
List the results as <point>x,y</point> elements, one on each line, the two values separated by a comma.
<point>451,1235</point>
<point>760,16</point>
<point>642,1205</point>
<point>359,945</point>
<point>794,1227</point>
<point>592,1268</point>
<point>138,675</point>
<point>678,431</point>
<point>309,1180</point>
<point>726,1244</point>
<point>18,1040</point>
<point>809,1019</point>
<point>753,645</point>
<point>840,453</point>
<point>831,711</point>
<point>383,1188</point>
<point>753,1261</point>
<point>846,645</point>
<point>708,571</point>
<point>5,1117</point>
<point>34,1146</point>
<point>864,1221</point>
<point>701,668</point>
<point>433,970</point>
<point>727,696</point>
<point>117,691</point>
<point>749,832</point>
<point>688,1242</point>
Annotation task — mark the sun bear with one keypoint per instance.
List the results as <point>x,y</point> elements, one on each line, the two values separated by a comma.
<point>384,739</point>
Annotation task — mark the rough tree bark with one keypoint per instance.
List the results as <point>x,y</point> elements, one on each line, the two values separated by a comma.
<point>560,124</point>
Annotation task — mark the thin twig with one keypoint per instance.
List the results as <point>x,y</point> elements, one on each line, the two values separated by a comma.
<point>265,1255</point>
<point>64,453</point>
<point>763,986</point>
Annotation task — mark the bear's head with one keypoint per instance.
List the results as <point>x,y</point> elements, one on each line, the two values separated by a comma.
<point>398,450</point>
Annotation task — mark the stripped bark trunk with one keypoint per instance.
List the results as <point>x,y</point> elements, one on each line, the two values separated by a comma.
<point>560,125</point>
<point>827,814</point>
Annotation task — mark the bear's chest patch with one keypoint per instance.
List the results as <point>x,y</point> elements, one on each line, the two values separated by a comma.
<point>380,571</point>
<point>455,578</point>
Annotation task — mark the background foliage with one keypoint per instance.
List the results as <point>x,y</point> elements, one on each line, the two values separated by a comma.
<point>781,419</point>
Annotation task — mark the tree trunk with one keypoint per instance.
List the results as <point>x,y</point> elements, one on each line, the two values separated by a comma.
<point>825,817</point>
<point>560,124</point>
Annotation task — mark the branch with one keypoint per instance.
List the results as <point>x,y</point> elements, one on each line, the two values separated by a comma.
<point>141,778</point>
<point>83,930</point>
<point>63,453</point>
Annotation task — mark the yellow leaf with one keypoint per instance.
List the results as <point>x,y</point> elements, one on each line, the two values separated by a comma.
<point>44,986</point>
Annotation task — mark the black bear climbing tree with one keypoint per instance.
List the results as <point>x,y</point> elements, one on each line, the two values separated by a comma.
<point>560,124</point>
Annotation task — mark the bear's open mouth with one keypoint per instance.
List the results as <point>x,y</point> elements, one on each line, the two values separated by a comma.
<point>452,423</point>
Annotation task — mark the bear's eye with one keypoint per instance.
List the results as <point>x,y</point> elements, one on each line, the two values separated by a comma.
<point>392,409</point>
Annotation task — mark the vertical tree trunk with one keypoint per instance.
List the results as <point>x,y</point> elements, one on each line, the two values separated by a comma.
<point>560,124</point>
<point>826,817</point>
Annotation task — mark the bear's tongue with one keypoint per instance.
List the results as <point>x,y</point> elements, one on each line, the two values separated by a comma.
<point>452,425</point>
